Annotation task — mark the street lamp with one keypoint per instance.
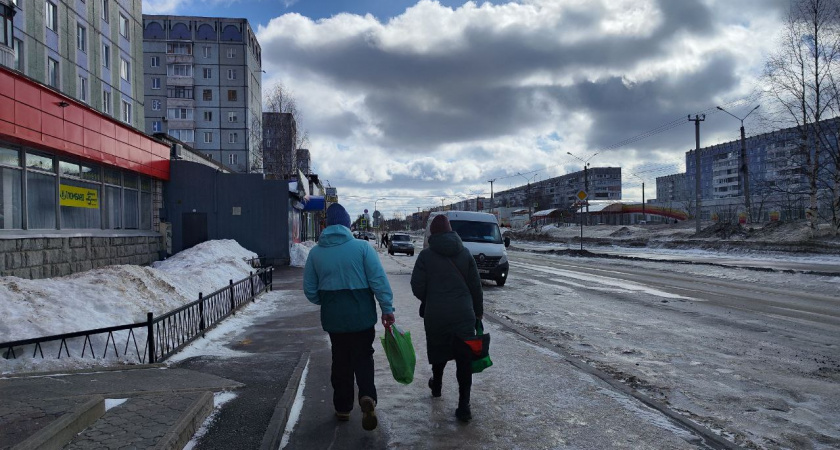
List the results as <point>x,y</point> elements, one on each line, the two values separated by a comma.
<point>374,206</point>
<point>745,177</point>
<point>644,217</point>
<point>585,177</point>
<point>528,194</point>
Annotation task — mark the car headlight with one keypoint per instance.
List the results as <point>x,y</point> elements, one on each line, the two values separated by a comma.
<point>503,260</point>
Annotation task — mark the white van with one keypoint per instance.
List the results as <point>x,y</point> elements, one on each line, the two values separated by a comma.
<point>481,236</point>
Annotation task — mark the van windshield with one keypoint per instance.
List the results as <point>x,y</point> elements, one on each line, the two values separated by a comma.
<point>487,232</point>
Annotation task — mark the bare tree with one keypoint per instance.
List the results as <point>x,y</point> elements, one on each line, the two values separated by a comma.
<point>800,74</point>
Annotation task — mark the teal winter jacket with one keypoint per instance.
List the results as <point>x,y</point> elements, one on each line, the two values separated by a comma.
<point>342,275</point>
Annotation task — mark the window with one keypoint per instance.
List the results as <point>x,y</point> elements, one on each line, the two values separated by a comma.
<point>17,46</point>
<point>231,74</point>
<point>41,192</point>
<point>155,105</point>
<point>206,50</point>
<point>232,117</point>
<point>233,159</point>
<point>233,137</point>
<point>180,113</point>
<point>81,38</point>
<point>179,48</point>
<point>124,27</point>
<point>126,112</point>
<point>106,56</point>
<point>208,137</point>
<point>179,92</point>
<point>232,95</point>
<point>106,101</point>
<point>83,88</point>
<point>6,25</point>
<point>208,73</point>
<point>10,189</point>
<point>155,61</point>
<point>179,70</point>
<point>157,126</point>
<point>52,72</point>
<point>231,52</point>
<point>207,95</point>
<point>155,83</point>
<point>183,135</point>
<point>51,16</point>
<point>76,179</point>
<point>208,116</point>
<point>125,70</point>
<point>106,10</point>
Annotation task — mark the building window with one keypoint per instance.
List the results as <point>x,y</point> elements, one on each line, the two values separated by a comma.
<point>106,102</point>
<point>155,61</point>
<point>40,191</point>
<point>51,16</point>
<point>126,112</point>
<point>106,56</point>
<point>208,73</point>
<point>83,89</point>
<point>179,48</point>
<point>180,113</point>
<point>157,126</point>
<point>179,92</point>
<point>231,53</point>
<point>6,26</point>
<point>232,138</point>
<point>52,72</point>
<point>81,38</point>
<point>10,189</point>
<point>17,46</point>
<point>207,95</point>
<point>79,179</point>
<point>124,27</point>
<point>106,10</point>
<point>206,50</point>
<point>184,135</point>
<point>179,70</point>
<point>155,83</point>
<point>232,95</point>
<point>208,137</point>
<point>208,116</point>
<point>232,117</point>
<point>155,105</point>
<point>233,159</point>
<point>231,74</point>
<point>125,70</point>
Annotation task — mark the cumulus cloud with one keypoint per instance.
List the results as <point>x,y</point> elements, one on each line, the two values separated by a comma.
<point>455,96</point>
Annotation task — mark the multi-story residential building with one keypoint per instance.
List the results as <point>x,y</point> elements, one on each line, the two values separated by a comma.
<point>203,79</point>
<point>88,50</point>
<point>279,142</point>
<point>671,188</point>
<point>561,192</point>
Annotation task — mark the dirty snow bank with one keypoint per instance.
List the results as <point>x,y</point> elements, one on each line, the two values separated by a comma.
<point>300,252</point>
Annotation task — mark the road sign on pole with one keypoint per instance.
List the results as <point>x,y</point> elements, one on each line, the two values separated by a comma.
<point>582,195</point>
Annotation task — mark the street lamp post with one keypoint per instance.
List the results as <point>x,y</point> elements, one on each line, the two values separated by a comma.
<point>644,216</point>
<point>374,206</point>
<point>585,178</point>
<point>744,169</point>
<point>528,194</point>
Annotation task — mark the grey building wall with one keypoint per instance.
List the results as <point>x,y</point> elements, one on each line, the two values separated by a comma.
<point>35,43</point>
<point>244,207</point>
<point>279,139</point>
<point>222,92</point>
<point>560,192</point>
<point>671,188</point>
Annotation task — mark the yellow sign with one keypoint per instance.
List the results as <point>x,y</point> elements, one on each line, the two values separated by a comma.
<point>582,195</point>
<point>78,197</point>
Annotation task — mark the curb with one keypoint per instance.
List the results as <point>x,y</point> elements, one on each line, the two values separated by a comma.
<point>280,418</point>
<point>60,431</point>
<point>81,371</point>
<point>189,422</point>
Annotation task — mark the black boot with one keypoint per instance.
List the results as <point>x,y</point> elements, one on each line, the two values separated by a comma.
<point>464,373</point>
<point>463,413</point>
<point>435,384</point>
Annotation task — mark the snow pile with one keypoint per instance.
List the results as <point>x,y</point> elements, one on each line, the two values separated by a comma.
<point>113,295</point>
<point>300,252</point>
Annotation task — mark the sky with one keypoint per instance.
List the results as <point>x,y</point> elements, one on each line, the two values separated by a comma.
<point>407,103</point>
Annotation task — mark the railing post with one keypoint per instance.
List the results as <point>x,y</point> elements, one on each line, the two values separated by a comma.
<point>150,318</point>
<point>270,279</point>
<point>251,281</point>
<point>232,302</point>
<point>201,313</point>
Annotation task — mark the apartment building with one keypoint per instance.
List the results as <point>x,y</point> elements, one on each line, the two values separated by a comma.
<point>604,183</point>
<point>203,79</point>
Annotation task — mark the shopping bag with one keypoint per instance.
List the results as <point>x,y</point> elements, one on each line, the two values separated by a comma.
<point>400,353</point>
<point>476,348</point>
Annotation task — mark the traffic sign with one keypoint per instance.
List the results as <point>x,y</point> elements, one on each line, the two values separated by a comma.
<point>582,195</point>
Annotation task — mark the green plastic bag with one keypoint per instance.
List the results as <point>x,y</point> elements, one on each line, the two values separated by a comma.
<point>478,365</point>
<point>400,353</point>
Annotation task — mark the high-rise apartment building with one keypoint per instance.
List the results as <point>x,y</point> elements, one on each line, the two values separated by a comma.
<point>203,80</point>
<point>279,140</point>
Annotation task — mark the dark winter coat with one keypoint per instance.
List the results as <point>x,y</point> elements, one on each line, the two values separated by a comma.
<point>452,300</point>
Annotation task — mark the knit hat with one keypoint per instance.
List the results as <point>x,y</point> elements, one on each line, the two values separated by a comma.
<point>337,215</point>
<point>440,224</point>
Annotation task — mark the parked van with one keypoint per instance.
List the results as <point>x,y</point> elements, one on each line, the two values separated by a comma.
<point>481,236</point>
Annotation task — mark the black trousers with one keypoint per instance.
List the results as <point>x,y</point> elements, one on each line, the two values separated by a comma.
<point>463,372</point>
<point>352,356</point>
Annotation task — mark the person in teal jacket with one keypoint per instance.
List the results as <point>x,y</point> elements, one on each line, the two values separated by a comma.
<point>343,275</point>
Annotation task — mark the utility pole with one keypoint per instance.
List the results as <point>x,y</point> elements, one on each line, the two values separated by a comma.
<point>492,201</point>
<point>744,169</point>
<point>697,119</point>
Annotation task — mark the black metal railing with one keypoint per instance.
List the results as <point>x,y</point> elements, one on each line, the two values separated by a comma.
<point>262,262</point>
<point>162,336</point>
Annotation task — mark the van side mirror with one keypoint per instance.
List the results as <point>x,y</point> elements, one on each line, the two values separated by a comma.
<point>507,242</point>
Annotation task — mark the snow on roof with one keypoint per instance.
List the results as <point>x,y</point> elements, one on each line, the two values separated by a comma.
<point>544,213</point>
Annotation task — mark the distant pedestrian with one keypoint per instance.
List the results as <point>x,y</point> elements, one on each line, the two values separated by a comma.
<point>383,242</point>
<point>343,275</point>
<point>445,279</point>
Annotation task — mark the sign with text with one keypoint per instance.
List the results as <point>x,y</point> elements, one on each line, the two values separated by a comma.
<point>78,197</point>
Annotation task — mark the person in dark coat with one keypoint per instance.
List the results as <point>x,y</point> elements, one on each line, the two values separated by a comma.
<point>445,279</point>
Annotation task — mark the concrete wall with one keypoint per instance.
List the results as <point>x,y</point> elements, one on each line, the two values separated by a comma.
<point>45,257</point>
<point>244,207</point>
